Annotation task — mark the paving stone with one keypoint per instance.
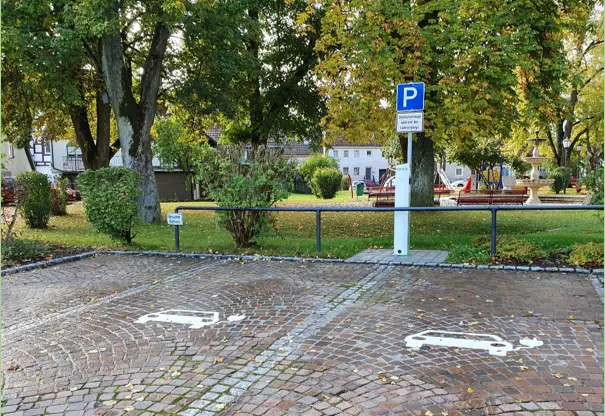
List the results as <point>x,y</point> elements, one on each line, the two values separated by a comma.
<point>318,338</point>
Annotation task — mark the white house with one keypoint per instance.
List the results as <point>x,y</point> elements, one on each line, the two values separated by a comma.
<point>362,162</point>
<point>15,161</point>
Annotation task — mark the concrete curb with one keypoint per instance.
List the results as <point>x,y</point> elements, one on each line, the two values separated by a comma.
<point>68,259</point>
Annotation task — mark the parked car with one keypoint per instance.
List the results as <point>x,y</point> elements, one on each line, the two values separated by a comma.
<point>460,183</point>
<point>8,190</point>
<point>72,194</point>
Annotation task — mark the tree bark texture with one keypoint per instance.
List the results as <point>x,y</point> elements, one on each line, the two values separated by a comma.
<point>423,169</point>
<point>136,118</point>
<point>95,155</point>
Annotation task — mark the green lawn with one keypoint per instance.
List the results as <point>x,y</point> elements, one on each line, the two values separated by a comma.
<point>343,234</point>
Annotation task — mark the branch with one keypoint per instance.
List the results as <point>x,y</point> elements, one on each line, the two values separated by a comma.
<point>589,47</point>
<point>96,59</point>
<point>599,70</point>
<point>150,80</point>
<point>552,144</point>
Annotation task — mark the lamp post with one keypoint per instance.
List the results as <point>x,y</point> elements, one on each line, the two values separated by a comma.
<point>566,145</point>
<point>579,149</point>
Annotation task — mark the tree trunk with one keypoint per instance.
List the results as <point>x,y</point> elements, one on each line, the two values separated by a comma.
<point>423,169</point>
<point>135,119</point>
<point>255,101</point>
<point>104,151</point>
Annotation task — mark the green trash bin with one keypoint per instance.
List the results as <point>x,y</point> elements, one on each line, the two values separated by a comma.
<point>360,189</point>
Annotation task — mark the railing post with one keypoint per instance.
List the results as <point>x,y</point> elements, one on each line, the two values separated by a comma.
<point>176,234</point>
<point>318,229</point>
<point>494,211</point>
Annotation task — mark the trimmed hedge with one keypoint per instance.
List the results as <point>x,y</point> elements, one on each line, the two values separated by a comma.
<point>326,182</point>
<point>59,197</point>
<point>32,190</point>
<point>309,166</point>
<point>110,198</point>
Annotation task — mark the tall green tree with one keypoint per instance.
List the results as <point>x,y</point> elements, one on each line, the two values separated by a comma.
<point>467,52</point>
<point>133,40</point>
<point>50,82</point>
<point>579,107</point>
<point>253,62</point>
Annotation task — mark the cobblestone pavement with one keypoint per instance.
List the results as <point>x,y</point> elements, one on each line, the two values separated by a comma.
<point>318,339</point>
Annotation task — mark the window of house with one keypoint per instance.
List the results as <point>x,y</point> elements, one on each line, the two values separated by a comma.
<point>369,153</point>
<point>356,153</point>
<point>335,153</point>
<point>345,171</point>
<point>355,171</point>
<point>47,147</point>
<point>11,151</point>
<point>458,171</point>
<point>345,153</point>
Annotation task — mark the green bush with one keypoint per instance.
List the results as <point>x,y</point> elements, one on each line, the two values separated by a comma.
<point>510,249</point>
<point>18,250</point>
<point>110,198</point>
<point>239,176</point>
<point>326,182</point>
<point>309,166</point>
<point>59,197</point>
<point>594,185</point>
<point>587,255</point>
<point>32,190</point>
<point>345,185</point>
<point>468,254</point>
<point>561,179</point>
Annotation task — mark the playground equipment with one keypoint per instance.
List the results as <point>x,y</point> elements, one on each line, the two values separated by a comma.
<point>445,179</point>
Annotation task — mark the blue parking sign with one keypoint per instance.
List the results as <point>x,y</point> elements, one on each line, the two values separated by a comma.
<point>410,96</point>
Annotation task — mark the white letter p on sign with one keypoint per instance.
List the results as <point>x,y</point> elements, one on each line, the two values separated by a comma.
<point>406,96</point>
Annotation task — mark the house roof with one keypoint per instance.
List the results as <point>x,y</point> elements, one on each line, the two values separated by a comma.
<point>344,143</point>
<point>292,147</point>
<point>214,134</point>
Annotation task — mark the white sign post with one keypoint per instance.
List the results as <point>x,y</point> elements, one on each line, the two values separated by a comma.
<point>174,218</point>
<point>402,218</point>
<point>409,119</point>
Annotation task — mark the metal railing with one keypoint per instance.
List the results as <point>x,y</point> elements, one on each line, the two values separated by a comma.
<point>73,163</point>
<point>492,208</point>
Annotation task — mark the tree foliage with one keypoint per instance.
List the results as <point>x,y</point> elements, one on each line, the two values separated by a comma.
<point>469,54</point>
<point>253,61</point>
<point>50,83</point>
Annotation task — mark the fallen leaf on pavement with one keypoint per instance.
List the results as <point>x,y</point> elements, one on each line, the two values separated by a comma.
<point>470,390</point>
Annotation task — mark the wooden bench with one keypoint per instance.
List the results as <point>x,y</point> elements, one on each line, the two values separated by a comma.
<point>490,198</point>
<point>574,183</point>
